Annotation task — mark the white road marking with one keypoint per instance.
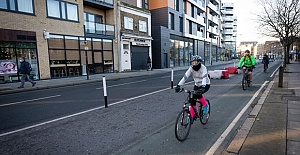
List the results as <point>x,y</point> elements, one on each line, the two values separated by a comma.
<point>168,76</point>
<point>76,114</point>
<point>217,144</point>
<point>43,98</point>
<point>275,71</point>
<point>123,84</point>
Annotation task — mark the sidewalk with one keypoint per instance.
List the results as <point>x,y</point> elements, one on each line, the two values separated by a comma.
<point>8,88</point>
<point>273,126</point>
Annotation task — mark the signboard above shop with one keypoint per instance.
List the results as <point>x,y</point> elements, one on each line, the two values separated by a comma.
<point>137,41</point>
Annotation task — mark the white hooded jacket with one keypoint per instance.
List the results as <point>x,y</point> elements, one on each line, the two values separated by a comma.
<point>200,77</point>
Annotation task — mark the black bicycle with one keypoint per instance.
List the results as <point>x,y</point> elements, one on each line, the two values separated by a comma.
<point>246,78</point>
<point>184,118</point>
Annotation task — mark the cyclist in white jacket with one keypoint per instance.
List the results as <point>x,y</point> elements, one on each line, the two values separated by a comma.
<point>201,79</point>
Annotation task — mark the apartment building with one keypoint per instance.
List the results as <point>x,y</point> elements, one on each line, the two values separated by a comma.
<point>135,34</point>
<point>182,28</point>
<point>60,38</point>
<point>229,25</point>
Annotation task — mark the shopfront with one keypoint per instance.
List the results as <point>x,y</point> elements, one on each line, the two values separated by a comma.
<point>15,44</point>
<point>181,51</point>
<point>135,52</point>
<point>68,56</point>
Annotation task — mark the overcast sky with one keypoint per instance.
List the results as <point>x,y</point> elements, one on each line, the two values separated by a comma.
<point>246,10</point>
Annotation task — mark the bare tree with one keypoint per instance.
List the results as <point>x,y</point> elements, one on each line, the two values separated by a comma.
<point>281,19</point>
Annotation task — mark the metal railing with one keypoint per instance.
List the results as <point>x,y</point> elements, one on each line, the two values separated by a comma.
<point>99,29</point>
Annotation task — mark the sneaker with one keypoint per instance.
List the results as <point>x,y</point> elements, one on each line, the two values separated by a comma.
<point>205,110</point>
<point>33,84</point>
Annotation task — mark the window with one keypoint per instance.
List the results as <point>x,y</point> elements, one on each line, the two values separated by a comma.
<point>93,23</point>
<point>145,4</point>
<point>171,21</point>
<point>176,5</point>
<point>23,6</point>
<point>142,26</point>
<point>128,23</point>
<point>181,24</point>
<point>62,10</point>
<point>190,27</point>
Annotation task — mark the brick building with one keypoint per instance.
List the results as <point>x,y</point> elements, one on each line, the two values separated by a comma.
<point>50,34</point>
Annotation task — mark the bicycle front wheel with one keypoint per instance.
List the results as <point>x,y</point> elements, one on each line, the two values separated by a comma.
<point>183,125</point>
<point>244,83</point>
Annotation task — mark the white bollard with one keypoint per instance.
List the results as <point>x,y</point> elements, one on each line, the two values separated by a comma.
<point>104,91</point>
<point>172,76</point>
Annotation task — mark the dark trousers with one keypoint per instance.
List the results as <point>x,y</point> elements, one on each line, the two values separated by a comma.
<point>195,97</point>
<point>23,79</point>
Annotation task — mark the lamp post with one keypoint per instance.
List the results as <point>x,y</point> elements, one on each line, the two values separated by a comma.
<point>86,56</point>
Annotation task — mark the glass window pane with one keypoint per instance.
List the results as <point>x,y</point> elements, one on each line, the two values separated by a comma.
<point>98,57</point>
<point>56,41</point>
<point>3,4</point>
<point>72,55</point>
<point>12,4</point>
<point>107,55</point>
<point>53,8</point>
<point>71,42</point>
<point>72,12</point>
<point>97,44</point>
<point>8,64</point>
<point>57,55</point>
<point>63,10</point>
<point>107,44</point>
<point>25,6</point>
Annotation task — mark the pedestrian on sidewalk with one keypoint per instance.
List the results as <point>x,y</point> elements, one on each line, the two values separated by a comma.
<point>149,64</point>
<point>25,69</point>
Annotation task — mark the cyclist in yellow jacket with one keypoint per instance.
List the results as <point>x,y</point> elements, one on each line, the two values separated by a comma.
<point>249,62</point>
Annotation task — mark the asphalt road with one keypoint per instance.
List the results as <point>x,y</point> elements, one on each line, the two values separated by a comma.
<point>140,118</point>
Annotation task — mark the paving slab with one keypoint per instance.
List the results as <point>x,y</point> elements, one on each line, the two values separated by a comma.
<point>294,111</point>
<point>294,147</point>
<point>295,125</point>
<point>294,117</point>
<point>293,135</point>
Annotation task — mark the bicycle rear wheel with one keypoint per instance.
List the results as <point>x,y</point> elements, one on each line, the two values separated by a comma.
<point>244,83</point>
<point>183,125</point>
<point>204,117</point>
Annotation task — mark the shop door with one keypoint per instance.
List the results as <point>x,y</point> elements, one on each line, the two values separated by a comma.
<point>139,57</point>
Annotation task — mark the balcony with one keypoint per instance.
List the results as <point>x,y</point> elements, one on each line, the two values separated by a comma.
<point>101,4</point>
<point>96,29</point>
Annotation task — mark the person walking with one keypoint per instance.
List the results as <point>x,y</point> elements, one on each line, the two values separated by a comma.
<point>149,64</point>
<point>25,72</point>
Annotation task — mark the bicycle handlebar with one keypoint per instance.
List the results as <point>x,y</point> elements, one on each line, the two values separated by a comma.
<point>189,91</point>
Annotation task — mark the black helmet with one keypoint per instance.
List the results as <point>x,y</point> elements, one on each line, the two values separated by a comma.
<point>196,58</point>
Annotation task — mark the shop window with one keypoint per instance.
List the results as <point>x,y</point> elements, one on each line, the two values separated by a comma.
<point>98,57</point>
<point>97,44</point>
<point>107,44</point>
<point>56,41</point>
<point>71,42</point>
